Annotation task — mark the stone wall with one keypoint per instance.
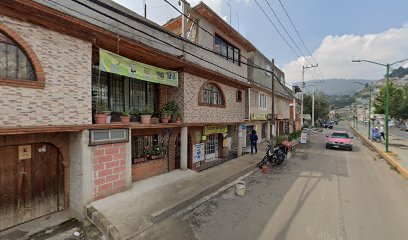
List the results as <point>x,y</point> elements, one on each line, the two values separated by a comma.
<point>66,97</point>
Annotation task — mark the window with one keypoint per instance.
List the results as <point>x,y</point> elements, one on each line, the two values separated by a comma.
<point>112,90</point>
<point>239,96</point>
<point>211,95</point>
<point>227,50</point>
<point>262,100</point>
<point>149,147</point>
<point>14,63</point>
<point>97,137</point>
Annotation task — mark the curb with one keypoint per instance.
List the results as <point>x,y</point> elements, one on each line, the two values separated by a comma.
<point>100,221</point>
<point>169,211</point>
<point>207,193</point>
<point>393,162</point>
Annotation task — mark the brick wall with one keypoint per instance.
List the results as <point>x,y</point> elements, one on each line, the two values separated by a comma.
<point>66,98</point>
<point>186,95</point>
<point>109,169</point>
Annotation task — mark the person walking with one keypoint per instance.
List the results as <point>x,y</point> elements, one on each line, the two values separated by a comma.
<point>382,132</point>
<point>254,141</point>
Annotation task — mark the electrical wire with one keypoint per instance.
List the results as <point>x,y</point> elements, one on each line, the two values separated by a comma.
<point>159,40</point>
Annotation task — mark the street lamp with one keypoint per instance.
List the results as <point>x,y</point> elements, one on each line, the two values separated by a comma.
<point>387,77</point>
<point>369,108</point>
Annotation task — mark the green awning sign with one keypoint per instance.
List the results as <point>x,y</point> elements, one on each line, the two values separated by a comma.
<point>114,63</point>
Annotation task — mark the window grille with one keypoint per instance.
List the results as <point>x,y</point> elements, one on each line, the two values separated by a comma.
<point>149,147</point>
<point>14,64</point>
<point>212,95</point>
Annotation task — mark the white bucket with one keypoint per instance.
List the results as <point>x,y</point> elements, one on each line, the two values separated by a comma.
<point>240,188</point>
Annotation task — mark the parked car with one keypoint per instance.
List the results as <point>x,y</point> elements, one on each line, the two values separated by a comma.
<point>340,140</point>
<point>404,127</point>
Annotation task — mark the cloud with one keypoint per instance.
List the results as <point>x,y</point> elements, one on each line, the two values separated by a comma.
<point>335,54</point>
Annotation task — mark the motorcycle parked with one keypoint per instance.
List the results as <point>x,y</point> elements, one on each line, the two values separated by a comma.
<point>275,156</point>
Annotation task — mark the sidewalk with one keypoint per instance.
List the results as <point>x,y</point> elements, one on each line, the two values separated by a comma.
<point>126,214</point>
<point>398,147</point>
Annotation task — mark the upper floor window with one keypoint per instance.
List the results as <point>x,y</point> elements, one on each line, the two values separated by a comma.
<point>239,96</point>
<point>227,50</point>
<point>14,63</point>
<point>262,100</point>
<point>211,94</point>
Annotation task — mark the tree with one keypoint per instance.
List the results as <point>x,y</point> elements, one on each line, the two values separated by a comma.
<point>322,106</point>
<point>397,101</point>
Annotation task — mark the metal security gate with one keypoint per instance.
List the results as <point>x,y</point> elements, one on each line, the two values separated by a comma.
<point>31,183</point>
<point>211,147</point>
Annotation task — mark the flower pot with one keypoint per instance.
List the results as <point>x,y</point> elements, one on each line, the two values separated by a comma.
<point>178,119</point>
<point>145,119</point>
<point>165,120</point>
<point>100,118</point>
<point>125,119</point>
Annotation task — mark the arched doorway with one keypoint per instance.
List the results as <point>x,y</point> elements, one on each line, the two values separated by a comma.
<point>31,182</point>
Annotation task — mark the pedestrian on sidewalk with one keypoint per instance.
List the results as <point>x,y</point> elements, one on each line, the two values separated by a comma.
<point>254,141</point>
<point>382,132</point>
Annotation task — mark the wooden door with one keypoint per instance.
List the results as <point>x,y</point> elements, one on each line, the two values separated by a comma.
<point>31,185</point>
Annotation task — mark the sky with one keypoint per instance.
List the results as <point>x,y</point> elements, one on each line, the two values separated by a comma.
<point>334,32</point>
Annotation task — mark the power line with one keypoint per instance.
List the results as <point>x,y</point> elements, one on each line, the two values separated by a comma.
<point>151,36</point>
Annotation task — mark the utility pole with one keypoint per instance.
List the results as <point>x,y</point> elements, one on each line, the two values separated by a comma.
<point>273,102</point>
<point>303,87</point>
<point>313,110</point>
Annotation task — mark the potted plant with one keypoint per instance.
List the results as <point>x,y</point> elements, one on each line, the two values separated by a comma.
<point>165,115</point>
<point>100,112</point>
<point>178,116</point>
<point>125,118</point>
<point>146,115</point>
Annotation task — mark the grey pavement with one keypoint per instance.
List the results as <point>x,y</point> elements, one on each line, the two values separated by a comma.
<point>148,201</point>
<point>398,143</point>
<point>317,194</point>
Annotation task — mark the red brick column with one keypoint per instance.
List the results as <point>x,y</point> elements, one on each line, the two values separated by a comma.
<point>109,169</point>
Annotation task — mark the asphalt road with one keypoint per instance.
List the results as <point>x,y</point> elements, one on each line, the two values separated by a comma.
<point>318,194</point>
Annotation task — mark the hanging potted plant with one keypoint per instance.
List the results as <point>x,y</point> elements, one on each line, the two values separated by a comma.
<point>125,118</point>
<point>100,115</point>
<point>178,116</point>
<point>146,115</point>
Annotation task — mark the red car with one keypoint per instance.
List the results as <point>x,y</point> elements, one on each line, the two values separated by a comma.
<point>339,139</point>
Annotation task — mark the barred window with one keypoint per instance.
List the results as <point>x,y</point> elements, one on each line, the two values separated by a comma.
<point>212,95</point>
<point>14,63</point>
<point>149,147</point>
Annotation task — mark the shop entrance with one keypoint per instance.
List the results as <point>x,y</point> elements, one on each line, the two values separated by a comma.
<point>211,147</point>
<point>31,182</point>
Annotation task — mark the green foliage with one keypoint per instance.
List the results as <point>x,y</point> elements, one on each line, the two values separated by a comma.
<point>147,110</point>
<point>280,139</point>
<point>127,112</point>
<point>397,101</point>
<point>322,106</point>
<point>340,101</point>
<point>294,135</point>
<point>101,106</point>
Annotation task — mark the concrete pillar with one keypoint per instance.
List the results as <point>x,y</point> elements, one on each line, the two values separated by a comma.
<point>240,135</point>
<point>268,131</point>
<point>184,148</point>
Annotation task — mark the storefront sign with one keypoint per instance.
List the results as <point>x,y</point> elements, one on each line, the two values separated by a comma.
<point>256,116</point>
<point>24,152</point>
<point>215,129</point>
<point>198,152</point>
<point>113,63</point>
